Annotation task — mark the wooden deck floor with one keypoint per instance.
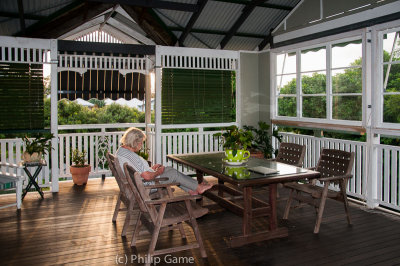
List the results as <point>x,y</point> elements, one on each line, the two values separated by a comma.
<point>74,227</point>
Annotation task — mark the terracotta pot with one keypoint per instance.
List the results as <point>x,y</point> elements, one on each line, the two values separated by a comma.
<point>80,175</point>
<point>34,157</point>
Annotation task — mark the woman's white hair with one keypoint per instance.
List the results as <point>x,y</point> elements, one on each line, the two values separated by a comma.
<point>132,137</point>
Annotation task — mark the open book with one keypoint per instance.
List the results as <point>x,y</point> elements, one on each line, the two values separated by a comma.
<point>263,170</point>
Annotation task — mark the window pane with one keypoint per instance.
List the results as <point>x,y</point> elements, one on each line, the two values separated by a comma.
<point>391,83</point>
<point>287,106</point>
<point>388,41</point>
<point>286,63</point>
<point>391,108</point>
<point>347,80</point>
<point>314,106</point>
<point>347,108</point>
<point>286,84</point>
<point>347,54</point>
<point>313,59</point>
<point>313,83</point>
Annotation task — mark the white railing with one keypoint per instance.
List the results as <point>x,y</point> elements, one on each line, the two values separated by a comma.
<point>96,144</point>
<point>187,142</point>
<point>11,152</point>
<point>357,185</point>
<point>388,176</point>
<point>388,166</point>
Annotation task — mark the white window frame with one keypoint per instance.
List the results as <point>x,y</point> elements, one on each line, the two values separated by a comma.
<point>380,31</point>
<point>297,48</point>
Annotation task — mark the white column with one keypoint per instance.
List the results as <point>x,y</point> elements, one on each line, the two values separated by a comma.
<point>157,144</point>
<point>54,117</point>
<point>148,113</point>
<point>238,94</point>
<point>371,97</point>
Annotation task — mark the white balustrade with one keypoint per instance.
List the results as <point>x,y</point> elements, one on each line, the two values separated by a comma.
<point>97,144</point>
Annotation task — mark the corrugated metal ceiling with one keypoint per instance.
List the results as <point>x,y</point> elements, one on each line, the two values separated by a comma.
<point>219,24</point>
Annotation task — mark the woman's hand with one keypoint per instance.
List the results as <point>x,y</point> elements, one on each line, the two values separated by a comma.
<point>160,169</point>
<point>154,167</point>
<point>152,175</point>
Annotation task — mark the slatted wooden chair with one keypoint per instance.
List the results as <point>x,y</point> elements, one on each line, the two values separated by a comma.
<point>166,213</point>
<point>7,175</point>
<point>335,167</point>
<point>291,153</point>
<point>126,195</point>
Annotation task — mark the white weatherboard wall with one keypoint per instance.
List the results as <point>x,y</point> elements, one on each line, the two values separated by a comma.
<point>249,88</point>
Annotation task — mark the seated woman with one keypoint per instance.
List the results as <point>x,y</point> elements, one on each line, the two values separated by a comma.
<point>131,142</point>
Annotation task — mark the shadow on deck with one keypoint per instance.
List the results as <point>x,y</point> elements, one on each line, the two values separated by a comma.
<point>74,227</point>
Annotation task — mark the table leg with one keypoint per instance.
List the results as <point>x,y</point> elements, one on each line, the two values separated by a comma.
<point>272,203</point>
<point>247,210</point>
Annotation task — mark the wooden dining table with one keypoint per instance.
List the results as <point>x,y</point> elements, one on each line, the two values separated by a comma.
<point>238,195</point>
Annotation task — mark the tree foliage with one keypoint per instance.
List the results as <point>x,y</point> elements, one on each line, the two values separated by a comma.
<point>71,113</point>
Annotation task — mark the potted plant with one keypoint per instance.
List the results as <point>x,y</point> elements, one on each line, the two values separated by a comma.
<point>35,148</point>
<point>235,141</point>
<point>262,142</point>
<point>79,169</point>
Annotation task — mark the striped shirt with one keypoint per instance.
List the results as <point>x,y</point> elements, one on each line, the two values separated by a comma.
<point>134,160</point>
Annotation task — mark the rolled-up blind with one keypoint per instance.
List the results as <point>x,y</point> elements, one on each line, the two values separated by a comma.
<point>197,96</point>
<point>101,84</point>
<point>21,97</point>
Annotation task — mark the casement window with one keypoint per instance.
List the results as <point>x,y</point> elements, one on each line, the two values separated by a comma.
<point>322,82</point>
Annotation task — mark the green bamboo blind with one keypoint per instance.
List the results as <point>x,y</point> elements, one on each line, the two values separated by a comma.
<point>197,96</point>
<point>21,97</point>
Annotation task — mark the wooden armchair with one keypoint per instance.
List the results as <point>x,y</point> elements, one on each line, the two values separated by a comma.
<point>8,176</point>
<point>335,166</point>
<point>291,153</point>
<point>164,214</point>
<point>125,193</point>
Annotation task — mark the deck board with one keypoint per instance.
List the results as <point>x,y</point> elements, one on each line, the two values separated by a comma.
<point>74,227</point>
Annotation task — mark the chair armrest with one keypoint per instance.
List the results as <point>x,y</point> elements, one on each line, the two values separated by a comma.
<point>13,165</point>
<point>162,185</point>
<point>161,179</point>
<point>333,178</point>
<point>173,199</point>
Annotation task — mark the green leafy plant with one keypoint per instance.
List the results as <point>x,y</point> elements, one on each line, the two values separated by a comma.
<point>235,139</point>
<point>144,153</point>
<point>79,158</point>
<point>40,144</point>
<point>263,140</point>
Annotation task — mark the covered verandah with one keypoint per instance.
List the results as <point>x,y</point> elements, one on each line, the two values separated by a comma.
<point>375,184</point>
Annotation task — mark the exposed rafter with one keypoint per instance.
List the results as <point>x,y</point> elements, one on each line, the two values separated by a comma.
<point>65,20</point>
<point>201,4</point>
<point>269,39</point>
<point>151,24</point>
<point>107,17</point>
<point>245,2</point>
<point>152,4</point>
<point>245,14</point>
<point>219,32</point>
<point>21,15</point>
